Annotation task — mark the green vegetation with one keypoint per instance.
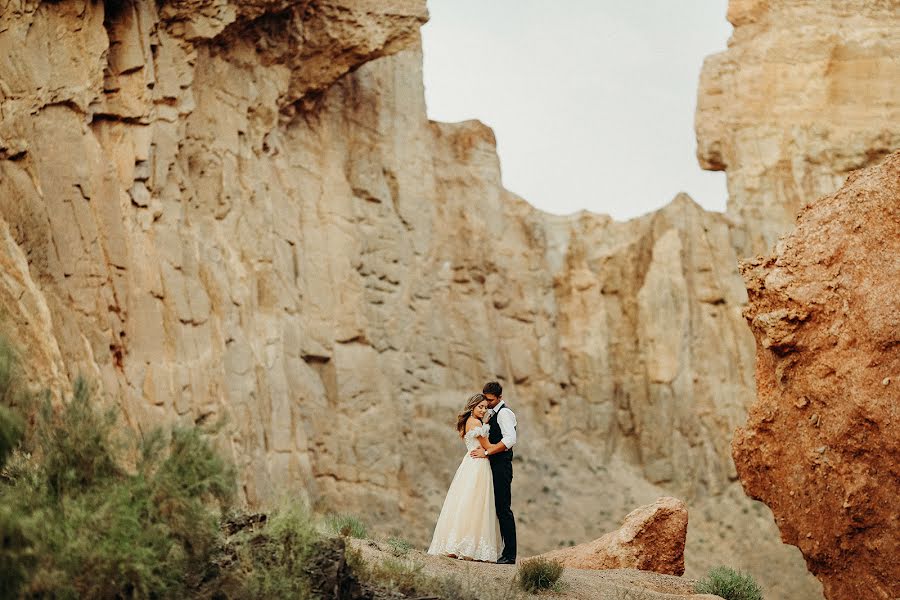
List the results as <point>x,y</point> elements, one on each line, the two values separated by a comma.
<point>77,524</point>
<point>11,430</point>
<point>539,574</point>
<point>275,559</point>
<point>729,584</point>
<point>346,526</point>
<point>399,547</point>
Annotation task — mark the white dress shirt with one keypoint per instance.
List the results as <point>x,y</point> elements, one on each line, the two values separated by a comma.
<point>507,422</point>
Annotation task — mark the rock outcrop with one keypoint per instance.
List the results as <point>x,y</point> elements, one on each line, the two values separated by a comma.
<point>651,538</point>
<point>805,94</point>
<point>821,446</point>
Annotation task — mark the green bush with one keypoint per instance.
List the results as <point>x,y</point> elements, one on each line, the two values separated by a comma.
<point>75,523</point>
<point>539,574</point>
<point>729,584</point>
<point>346,526</point>
<point>276,557</point>
<point>12,426</point>
<point>16,556</point>
<point>12,429</point>
<point>76,444</point>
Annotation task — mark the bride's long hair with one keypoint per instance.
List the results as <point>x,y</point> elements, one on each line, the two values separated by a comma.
<point>462,417</point>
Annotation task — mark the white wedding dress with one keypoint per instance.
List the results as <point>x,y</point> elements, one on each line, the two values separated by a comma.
<point>468,525</point>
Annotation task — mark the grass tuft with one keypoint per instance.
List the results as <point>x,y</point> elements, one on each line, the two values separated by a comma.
<point>399,547</point>
<point>729,584</point>
<point>346,526</point>
<point>539,574</point>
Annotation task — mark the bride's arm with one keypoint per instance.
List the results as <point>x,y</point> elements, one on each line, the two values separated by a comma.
<point>471,424</point>
<point>487,446</point>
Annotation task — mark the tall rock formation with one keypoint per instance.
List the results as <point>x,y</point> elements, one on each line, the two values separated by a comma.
<point>805,94</point>
<point>821,447</point>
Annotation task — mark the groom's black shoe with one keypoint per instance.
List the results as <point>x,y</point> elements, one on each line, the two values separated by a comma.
<point>506,561</point>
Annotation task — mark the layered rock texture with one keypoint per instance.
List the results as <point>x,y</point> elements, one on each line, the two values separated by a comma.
<point>822,445</point>
<point>651,538</point>
<point>805,94</point>
<point>240,210</point>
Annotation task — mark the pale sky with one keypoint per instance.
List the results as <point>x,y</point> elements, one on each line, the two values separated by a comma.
<point>592,101</point>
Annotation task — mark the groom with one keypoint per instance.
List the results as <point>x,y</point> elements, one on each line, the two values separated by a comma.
<point>502,438</point>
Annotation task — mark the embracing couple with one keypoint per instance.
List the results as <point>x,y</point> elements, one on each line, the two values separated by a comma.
<point>480,494</point>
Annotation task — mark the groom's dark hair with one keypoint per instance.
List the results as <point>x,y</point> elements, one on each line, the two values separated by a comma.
<point>493,388</point>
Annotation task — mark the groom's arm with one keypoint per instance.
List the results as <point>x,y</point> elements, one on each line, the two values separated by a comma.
<point>488,448</point>
<point>507,422</point>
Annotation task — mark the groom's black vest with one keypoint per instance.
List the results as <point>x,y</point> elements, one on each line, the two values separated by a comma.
<point>495,435</point>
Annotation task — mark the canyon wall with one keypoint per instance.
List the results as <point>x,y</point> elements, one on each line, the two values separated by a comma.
<point>240,210</point>
<point>805,93</point>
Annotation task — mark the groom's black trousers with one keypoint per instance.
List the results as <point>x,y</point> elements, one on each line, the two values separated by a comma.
<point>502,471</point>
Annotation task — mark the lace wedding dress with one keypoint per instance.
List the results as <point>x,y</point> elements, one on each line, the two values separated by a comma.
<point>468,524</point>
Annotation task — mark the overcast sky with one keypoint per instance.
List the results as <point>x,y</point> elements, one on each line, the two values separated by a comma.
<point>592,101</point>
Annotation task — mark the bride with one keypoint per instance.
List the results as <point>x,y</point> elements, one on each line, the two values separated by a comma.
<point>468,527</point>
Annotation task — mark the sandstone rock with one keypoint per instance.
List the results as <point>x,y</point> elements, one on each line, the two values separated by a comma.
<point>805,94</point>
<point>651,538</point>
<point>821,446</point>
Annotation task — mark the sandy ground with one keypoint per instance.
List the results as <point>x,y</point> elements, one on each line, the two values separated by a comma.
<point>616,584</point>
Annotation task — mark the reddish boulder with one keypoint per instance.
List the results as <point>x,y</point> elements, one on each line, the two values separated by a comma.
<point>650,539</point>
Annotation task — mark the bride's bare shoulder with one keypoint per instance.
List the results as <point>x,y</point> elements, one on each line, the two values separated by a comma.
<point>471,423</point>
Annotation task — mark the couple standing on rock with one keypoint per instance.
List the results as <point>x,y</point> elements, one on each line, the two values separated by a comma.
<point>479,497</point>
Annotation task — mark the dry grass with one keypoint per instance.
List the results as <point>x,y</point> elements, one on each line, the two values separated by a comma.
<point>539,574</point>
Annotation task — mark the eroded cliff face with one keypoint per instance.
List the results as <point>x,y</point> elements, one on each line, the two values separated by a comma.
<point>139,184</point>
<point>238,209</point>
<point>805,94</point>
<point>821,447</point>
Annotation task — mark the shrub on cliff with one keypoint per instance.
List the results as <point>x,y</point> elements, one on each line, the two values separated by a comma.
<point>76,523</point>
<point>12,426</point>
<point>276,559</point>
<point>729,584</point>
